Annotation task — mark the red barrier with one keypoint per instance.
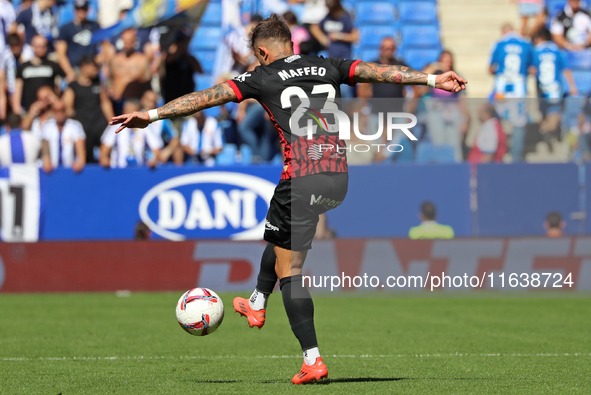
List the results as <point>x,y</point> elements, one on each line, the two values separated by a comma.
<point>233,265</point>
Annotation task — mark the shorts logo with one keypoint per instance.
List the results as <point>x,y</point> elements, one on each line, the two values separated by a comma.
<point>315,152</point>
<point>269,226</point>
<point>320,201</point>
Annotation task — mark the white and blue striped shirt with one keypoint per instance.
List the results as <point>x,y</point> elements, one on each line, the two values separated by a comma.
<point>18,147</point>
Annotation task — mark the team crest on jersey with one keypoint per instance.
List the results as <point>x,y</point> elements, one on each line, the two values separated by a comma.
<point>291,58</point>
<point>242,77</point>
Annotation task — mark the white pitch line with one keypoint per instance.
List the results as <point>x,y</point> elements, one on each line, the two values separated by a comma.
<point>17,359</point>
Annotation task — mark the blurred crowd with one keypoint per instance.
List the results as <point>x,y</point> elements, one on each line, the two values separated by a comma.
<point>59,86</point>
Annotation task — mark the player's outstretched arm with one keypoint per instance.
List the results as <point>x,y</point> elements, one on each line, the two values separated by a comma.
<point>387,74</point>
<point>183,106</point>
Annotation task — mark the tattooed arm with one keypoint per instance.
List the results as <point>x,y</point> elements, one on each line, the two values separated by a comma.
<point>381,73</point>
<point>181,107</point>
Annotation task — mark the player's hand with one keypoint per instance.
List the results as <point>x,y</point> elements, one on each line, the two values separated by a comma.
<point>450,82</point>
<point>135,120</point>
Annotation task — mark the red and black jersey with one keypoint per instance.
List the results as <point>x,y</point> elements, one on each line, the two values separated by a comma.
<point>293,91</point>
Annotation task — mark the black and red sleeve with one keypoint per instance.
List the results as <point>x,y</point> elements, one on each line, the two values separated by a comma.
<point>247,85</point>
<point>346,69</point>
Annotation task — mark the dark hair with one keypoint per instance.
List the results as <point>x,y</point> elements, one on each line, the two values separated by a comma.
<point>87,59</point>
<point>272,28</point>
<point>256,18</point>
<point>13,39</point>
<point>290,18</point>
<point>428,210</point>
<point>554,219</point>
<point>543,34</point>
<point>13,121</point>
<point>141,231</point>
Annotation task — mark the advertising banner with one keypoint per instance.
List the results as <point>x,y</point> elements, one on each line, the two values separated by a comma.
<point>333,266</point>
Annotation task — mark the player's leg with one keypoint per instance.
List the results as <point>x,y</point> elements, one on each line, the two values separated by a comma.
<point>255,308</point>
<point>300,312</point>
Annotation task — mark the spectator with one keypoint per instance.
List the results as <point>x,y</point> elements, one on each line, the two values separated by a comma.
<point>38,19</point>
<point>552,66</point>
<point>7,18</point>
<point>142,232</point>
<point>429,228</point>
<point>336,31</point>
<point>585,128</point>
<point>75,40</point>
<point>165,129</point>
<point>237,57</point>
<point>255,129</point>
<point>313,12</point>
<point>109,11</point>
<point>88,102</point>
<point>531,9</point>
<point>201,139</point>
<point>10,59</point>
<point>298,33</point>
<point>32,75</point>
<point>571,29</point>
<point>554,224</point>
<point>128,147</point>
<point>512,60</point>
<point>130,72</point>
<point>179,67</point>
<point>448,117</point>
<point>17,146</point>
<point>323,231</point>
<point>41,111</point>
<point>63,141</point>
<point>490,144</point>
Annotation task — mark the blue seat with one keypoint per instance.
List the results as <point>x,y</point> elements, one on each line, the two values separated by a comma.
<point>373,35</point>
<point>246,153</point>
<point>583,81</point>
<point>207,59</point>
<point>428,153</point>
<point>206,37</point>
<point>579,60</point>
<point>555,7</point>
<point>368,54</point>
<point>228,155</point>
<point>420,36</point>
<point>417,12</point>
<point>419,58</point>
<point>375,13</point>
<point>212,15</point>
<point>65,14</point>
<point>202,81</point>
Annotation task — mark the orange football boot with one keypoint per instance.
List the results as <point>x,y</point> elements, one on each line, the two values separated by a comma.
<point>255,317</point>
<point>311,373</point>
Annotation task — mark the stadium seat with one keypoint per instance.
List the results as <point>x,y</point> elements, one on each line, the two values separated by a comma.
<point>555,7</point>
<point>418,58</point>
<point>212,15</point>
<point>367,54</point>
<point>246,154</point>
<point>375,13</point>
<point>579,60</point>
<point>417,12</point>
<point>428,153</point>
<point>206,37</point>
<point>420,36</point>
<point>372,35</point>
<point>228,155</point>
<point>65,14</point>
<point>206,58</point>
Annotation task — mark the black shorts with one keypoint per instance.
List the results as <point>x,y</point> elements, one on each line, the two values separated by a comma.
<point>297,203</point>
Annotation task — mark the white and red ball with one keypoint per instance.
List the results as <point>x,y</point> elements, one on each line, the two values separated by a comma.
<point>200,311</point>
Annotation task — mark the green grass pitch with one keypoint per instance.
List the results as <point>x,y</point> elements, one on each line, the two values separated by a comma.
<point>104,344</point>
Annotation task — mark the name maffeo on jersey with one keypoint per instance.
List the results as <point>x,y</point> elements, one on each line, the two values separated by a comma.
<point>302,71</point>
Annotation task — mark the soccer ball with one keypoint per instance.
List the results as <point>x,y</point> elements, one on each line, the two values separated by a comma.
<point>200,311</point>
